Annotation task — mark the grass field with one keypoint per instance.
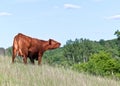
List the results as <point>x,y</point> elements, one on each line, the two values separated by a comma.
<point>19,74</point>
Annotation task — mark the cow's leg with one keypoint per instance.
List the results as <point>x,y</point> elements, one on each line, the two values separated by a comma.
<point>13,57</point>
<point>39,58</point>
<point>30,55</point>
<point>32,60</point>
<point>14,54</point>
<point>25,55</point>
<point>25,60</point>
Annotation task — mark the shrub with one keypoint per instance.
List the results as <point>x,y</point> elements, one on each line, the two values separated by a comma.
<point>102,64</point>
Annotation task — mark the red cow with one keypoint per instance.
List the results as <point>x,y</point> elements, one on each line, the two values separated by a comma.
<point>33,48</point>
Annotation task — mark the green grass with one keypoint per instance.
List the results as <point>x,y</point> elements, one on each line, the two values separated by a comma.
<point>19,74</point>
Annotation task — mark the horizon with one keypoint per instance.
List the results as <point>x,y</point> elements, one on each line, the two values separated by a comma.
<point>73,41</point>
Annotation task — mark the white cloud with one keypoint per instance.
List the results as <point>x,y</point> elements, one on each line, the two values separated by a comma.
<point>71,6</point>
<point>114,17</point>
<point>5,14</point>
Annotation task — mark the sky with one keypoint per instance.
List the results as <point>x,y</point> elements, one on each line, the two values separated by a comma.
<point>61,20</point>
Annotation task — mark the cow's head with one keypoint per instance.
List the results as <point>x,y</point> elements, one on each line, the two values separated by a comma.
<point>53,44</point>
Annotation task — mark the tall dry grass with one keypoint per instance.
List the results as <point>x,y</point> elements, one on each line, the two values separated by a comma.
<point>19,74</point>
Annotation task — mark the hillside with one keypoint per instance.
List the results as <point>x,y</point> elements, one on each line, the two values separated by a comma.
<point>19,74</point>
<point>100,58</point>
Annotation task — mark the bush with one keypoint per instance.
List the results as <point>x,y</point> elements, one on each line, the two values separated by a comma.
<point>100,64</point>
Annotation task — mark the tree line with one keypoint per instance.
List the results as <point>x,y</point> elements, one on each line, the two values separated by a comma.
<point>83,55</point>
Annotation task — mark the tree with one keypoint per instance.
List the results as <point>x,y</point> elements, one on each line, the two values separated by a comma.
<point>54,57</point>
<point>9,51</point>
<point>80,50</point>
<point>117,33</point>
<point>101,63</point>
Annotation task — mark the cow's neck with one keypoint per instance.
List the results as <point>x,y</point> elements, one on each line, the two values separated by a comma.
<point>46,46</point>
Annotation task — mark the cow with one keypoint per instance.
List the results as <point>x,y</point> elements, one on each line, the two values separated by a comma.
<point>33,48</point>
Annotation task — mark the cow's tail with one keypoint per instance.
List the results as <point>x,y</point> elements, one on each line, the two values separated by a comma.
<point>14,48</point>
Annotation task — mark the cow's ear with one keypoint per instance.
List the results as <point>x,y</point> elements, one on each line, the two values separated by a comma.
<point>50,41</point>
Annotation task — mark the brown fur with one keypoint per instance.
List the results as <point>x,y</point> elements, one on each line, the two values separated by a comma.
<point>33,48</point>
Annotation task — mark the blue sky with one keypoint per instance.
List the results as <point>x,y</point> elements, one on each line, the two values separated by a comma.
<point>59,19</point>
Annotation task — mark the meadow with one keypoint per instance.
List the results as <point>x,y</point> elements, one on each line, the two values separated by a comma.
<point>18,74</point>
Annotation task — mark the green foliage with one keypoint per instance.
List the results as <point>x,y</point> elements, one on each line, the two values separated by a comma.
<point>80,67</point>
<point>102,64</point>
<point>117,33</point>
<point>54,57</point>
<point>96,64</point>
<point>9,51</point>
<point>79,50</point>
